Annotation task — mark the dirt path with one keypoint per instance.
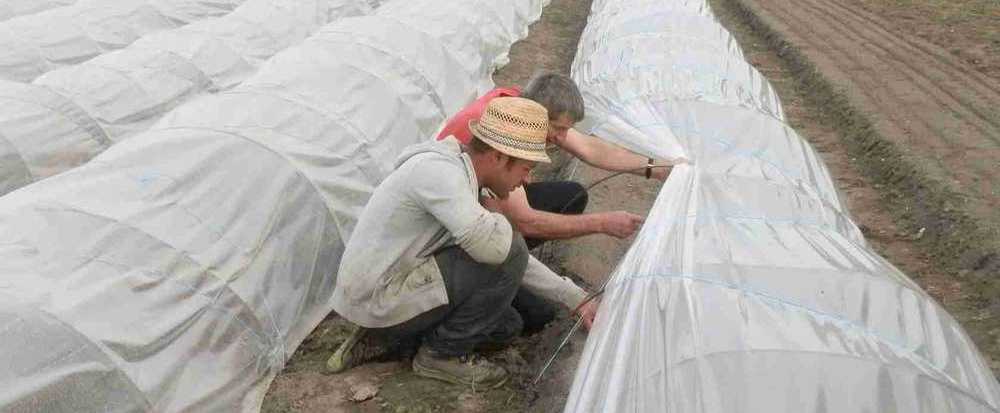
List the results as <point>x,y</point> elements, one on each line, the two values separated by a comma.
<point>941,115</point>
<point>588,259</point>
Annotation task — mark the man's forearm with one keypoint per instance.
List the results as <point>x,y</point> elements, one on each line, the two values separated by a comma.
<point>615,158</point>
<point>610,157</point>
<point>548,225</point>
<point>544,282</point>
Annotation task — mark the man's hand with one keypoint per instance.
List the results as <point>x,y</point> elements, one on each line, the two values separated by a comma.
<point>661,173</point>
<point>587,312</point>
<point>620,224</point>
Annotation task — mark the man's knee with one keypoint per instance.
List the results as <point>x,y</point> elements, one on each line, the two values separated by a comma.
<point>508,327</point>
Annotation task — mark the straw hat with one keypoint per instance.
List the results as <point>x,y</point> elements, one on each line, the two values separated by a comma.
<point>514,126</point>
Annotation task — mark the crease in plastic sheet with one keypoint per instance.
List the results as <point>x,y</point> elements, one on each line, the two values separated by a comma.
<point>33,44</point>
<point>78,111</point>
<point>179,269</point>
<point>749,288</point>
<point>14,8</point>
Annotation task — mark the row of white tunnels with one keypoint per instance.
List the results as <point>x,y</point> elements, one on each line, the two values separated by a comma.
<point>179,178</point>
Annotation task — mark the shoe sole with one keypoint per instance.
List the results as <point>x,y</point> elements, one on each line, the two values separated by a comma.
<point>428,372</point>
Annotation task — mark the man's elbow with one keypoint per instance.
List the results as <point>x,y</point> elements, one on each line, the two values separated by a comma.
<point>491,244</point>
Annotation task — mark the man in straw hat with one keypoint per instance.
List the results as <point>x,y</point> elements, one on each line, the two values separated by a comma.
<point>429,261</point>
<point>554,210</point>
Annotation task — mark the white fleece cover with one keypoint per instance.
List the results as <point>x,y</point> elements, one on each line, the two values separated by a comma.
<point>749,288</point>
<point>70,115</point>
<point>37,43</point>
<point>180,269</point>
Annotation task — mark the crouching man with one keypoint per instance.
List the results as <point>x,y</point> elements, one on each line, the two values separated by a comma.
<point>427,260</point>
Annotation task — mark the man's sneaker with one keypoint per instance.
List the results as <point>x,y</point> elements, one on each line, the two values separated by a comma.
<point>359,348</point>
<point>470,370</point>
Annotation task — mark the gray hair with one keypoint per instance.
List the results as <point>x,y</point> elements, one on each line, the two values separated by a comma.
<point>557,93</point>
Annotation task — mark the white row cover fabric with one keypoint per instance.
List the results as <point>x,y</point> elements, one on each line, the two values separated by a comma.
<point>180,269</point>
<point>37,43</point>
<point>749,288</point>
<point>14,8</point>
<point>69,115</point>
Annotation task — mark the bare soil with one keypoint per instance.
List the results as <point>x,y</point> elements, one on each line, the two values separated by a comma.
<point>968,29</point>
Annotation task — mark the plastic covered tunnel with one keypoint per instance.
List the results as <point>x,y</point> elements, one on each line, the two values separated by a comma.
<point>749,288</point>
<point>179,270</point>
<point>67,116</point>
<point>35,43</point>
<point>14,8</point>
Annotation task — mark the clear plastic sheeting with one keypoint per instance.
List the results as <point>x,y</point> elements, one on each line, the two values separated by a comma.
<point>37,43</point>
<point>69,115</point>
<point>749,288</point>
<point>180,269</point>
<point>14,8</point>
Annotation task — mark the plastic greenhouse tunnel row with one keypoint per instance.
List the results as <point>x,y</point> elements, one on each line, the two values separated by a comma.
<point>33,44</point>
<point>749,288</point>
<point>180,269</point>
<point>14,8</point>
<point>67,116</point>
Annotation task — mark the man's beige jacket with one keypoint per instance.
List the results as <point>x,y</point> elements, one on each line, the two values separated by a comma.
<point>388,274</point>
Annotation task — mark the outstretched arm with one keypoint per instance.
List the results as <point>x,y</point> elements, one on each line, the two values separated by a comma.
<point>608,156</point>
<point>541,280</point>
<point>533,223</point>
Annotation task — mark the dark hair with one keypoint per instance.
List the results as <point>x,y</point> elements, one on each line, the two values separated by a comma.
<point>477,145</point>
<point>557,93</point>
